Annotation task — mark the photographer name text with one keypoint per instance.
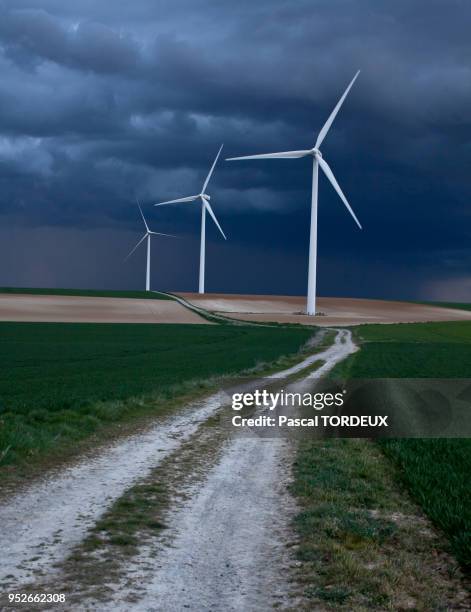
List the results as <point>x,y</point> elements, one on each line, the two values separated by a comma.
<point>269,401</point>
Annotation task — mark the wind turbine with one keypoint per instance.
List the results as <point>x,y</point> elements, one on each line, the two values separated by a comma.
<point>205,206</point>
<point>317,160</point>
<point>147,235</point>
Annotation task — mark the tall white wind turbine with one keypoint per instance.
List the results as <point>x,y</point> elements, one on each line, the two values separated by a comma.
<point>147,235</point>
<point>317,161</point>
<point>205,206</point>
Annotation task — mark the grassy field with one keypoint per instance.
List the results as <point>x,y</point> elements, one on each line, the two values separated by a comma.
<point>363,543</point>
<point>437,472</point>
<point>459,305</point>
<point>412,350</point>
<point>62,382</point>
<point>149,295</point>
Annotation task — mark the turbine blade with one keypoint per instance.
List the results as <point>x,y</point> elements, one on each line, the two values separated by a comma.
<point>160,234</point>
<point>142,215</point>
<point>210,210</point>
<point>132,251</point>
<point>333,114</point>
<point>211,171</point>
<point>282,155</point>
<point>330,175</point>
<point>189,199</point>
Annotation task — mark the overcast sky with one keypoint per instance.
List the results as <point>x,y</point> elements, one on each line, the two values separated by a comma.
<point>102,102</point>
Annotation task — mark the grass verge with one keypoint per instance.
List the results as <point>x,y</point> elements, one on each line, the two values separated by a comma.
<point>364,545</point>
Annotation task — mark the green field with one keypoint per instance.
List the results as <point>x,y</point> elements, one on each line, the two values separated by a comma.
<point>61,382</point>
<point>459,305</point>
<point>437,472</point>
<point>412,350</point>
<point>149,295</point>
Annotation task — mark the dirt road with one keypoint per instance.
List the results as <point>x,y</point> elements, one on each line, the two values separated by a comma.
<point>227,545</point>
<point>225,542</point>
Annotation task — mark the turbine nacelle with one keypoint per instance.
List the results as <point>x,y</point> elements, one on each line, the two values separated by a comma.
<point>205,208</point>
<point>203,198</point>
<point>148,233</point>
<point>315,152</point>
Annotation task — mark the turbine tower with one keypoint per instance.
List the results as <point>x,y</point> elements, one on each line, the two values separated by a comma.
<point>205,206</point>
<point>317,160</point>
<point>147,235</point>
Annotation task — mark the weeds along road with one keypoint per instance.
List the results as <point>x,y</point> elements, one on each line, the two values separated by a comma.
<point>226,520</point>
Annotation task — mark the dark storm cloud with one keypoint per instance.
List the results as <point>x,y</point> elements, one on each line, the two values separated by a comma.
<point>34,36</point>
<point>101,102</point>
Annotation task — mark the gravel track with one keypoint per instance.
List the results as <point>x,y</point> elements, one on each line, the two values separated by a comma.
<point>39,526</point>
<point>228,547</point>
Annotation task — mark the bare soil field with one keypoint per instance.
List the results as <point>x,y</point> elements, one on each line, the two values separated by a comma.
<point>73,309</point>
<point>335,311</point>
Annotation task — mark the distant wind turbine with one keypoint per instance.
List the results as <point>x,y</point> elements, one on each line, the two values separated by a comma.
<point>205,206</point>
<point>317,161</point>
<point>147,235</point>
